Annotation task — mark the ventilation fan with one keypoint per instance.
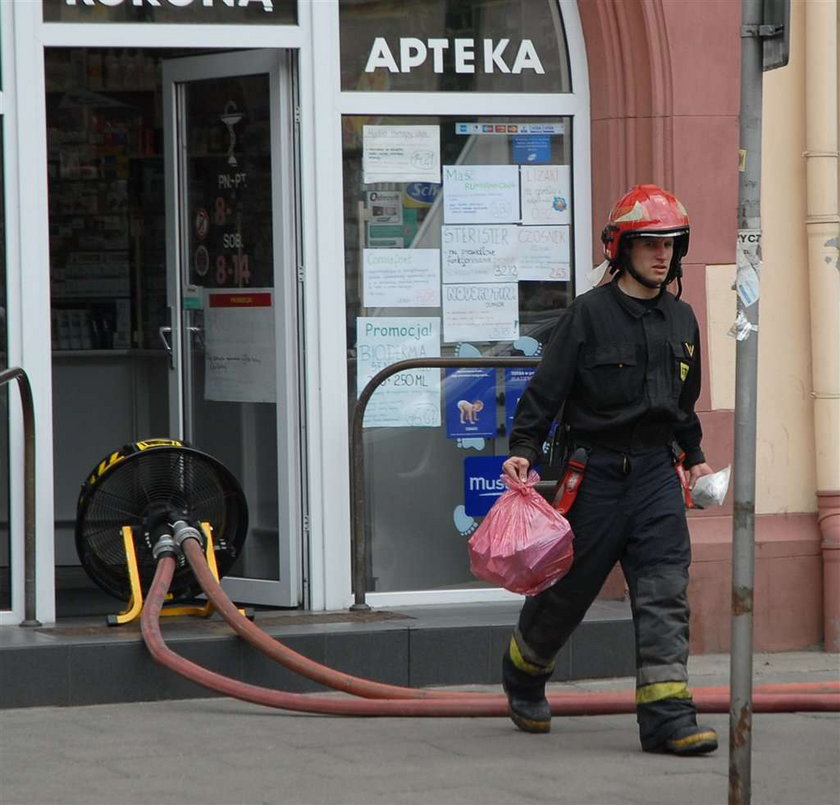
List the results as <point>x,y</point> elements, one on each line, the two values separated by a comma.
<point>147,486</point>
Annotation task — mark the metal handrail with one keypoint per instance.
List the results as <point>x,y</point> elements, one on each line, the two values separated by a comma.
<point>16,373</point>
<point>359,533</point>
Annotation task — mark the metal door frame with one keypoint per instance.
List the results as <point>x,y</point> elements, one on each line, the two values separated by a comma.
<point>278,66</point>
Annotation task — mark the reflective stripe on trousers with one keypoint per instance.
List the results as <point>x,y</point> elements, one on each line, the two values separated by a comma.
<point>630,510</point>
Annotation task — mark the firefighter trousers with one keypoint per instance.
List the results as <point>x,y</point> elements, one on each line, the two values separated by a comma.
<point>629,509</point>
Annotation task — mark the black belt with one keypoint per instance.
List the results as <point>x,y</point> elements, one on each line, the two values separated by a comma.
<point>625,440</point>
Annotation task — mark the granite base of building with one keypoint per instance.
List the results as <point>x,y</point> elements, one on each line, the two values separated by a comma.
<point>82,661</point>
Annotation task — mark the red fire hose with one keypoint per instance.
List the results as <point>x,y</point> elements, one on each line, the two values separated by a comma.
<point>358,686</point>
<point>388,700</point>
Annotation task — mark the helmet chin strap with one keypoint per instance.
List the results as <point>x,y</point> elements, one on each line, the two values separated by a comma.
<point>624,263</point>
<point>643,280</point>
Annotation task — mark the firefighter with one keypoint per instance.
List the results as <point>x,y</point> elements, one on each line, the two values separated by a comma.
<point>621,373</point>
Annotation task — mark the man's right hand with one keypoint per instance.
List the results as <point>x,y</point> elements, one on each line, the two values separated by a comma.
<point>517,468</point>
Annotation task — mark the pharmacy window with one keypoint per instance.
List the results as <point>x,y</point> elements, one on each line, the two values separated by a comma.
<point>458,242</point>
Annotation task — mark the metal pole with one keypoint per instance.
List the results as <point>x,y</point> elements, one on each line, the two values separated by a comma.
<point>746,376</point>
<point>29,556</point>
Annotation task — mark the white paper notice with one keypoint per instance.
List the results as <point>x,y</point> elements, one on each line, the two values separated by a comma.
<point>401,154</point>
<point>546,194</point>
<point>405,399</point>
<point>401,277</point>
<point>479,253</point>
<point>543,253</point>
<point>504,252</point>
<point>480,194</point>
<point>239,352</point>
<point>481,312</point>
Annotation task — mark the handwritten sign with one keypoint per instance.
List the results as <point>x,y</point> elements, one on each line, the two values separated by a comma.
<point>405,399</point>
<point>546,194</point>
<point>479,253</point>
<point>401,277</point>
<point>504,252</point>
<point>401,154</point>
<point>239,357</point>
<point>480,194</point>
<point>542,253</point>
<point>481,312</point>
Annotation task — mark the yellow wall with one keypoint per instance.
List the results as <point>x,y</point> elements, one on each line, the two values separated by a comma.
<point>785,473</point>
<point>786,476</point>
<point>720,303</point>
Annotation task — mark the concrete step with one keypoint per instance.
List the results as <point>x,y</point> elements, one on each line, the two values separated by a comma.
<point>81,661</point>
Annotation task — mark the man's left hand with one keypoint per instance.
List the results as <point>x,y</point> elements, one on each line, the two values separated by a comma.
<point>698,471</point>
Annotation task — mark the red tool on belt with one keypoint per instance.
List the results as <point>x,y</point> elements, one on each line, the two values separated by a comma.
<point>569,484</point>
<point>682,474</point>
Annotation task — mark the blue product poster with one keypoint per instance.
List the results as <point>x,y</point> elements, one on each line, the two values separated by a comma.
<point>515,382</point>
<point>470,402</point>
<point>482,483</point>
<point>533,149</point>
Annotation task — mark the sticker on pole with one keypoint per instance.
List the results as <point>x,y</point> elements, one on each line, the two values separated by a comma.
<point>748,257</point>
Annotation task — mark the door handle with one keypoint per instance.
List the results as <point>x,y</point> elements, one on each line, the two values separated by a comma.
<point>164,331</point>
<point>197,335</point>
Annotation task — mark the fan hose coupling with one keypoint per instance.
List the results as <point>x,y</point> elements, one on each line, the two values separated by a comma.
<point>182,530</point>
<point>165,546</point>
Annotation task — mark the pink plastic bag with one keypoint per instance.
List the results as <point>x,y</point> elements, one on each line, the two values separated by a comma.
<point>523,544</point>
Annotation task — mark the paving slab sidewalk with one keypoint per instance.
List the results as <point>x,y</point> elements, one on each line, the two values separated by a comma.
<point>226,752</point>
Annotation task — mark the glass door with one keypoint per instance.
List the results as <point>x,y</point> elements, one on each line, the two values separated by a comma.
<point>232,296</point>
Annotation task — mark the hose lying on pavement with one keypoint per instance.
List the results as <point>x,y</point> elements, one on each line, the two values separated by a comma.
<point>465,704</point>
<point>358,686</point>
<point>286,656</point>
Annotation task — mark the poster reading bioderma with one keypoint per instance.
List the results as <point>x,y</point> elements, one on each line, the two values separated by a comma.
<point>405,399</point>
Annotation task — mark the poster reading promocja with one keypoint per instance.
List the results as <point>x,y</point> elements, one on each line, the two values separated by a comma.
<point>405,399</point>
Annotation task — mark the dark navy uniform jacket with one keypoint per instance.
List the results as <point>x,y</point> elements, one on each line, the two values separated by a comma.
<point>624,371</point>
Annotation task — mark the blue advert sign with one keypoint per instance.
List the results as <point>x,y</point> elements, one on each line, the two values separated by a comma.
<point>531,148</point>
<point>470,402</point>
<point>482,483</point>
<point>515,381</point>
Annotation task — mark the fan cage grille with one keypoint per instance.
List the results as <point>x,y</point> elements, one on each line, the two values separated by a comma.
<point>145,490</point>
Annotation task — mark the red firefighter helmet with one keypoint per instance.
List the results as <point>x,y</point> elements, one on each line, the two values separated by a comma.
<point>646,209</point>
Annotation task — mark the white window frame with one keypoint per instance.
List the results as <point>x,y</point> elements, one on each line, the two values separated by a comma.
<point>322,102</point>
<point>332,298</point>
<point>24,37</point>
<point>10,167</point>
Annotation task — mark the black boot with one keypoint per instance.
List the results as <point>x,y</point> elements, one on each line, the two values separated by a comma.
<point>691,740</point>
<point>669,726</point>
<point>524,684</point>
